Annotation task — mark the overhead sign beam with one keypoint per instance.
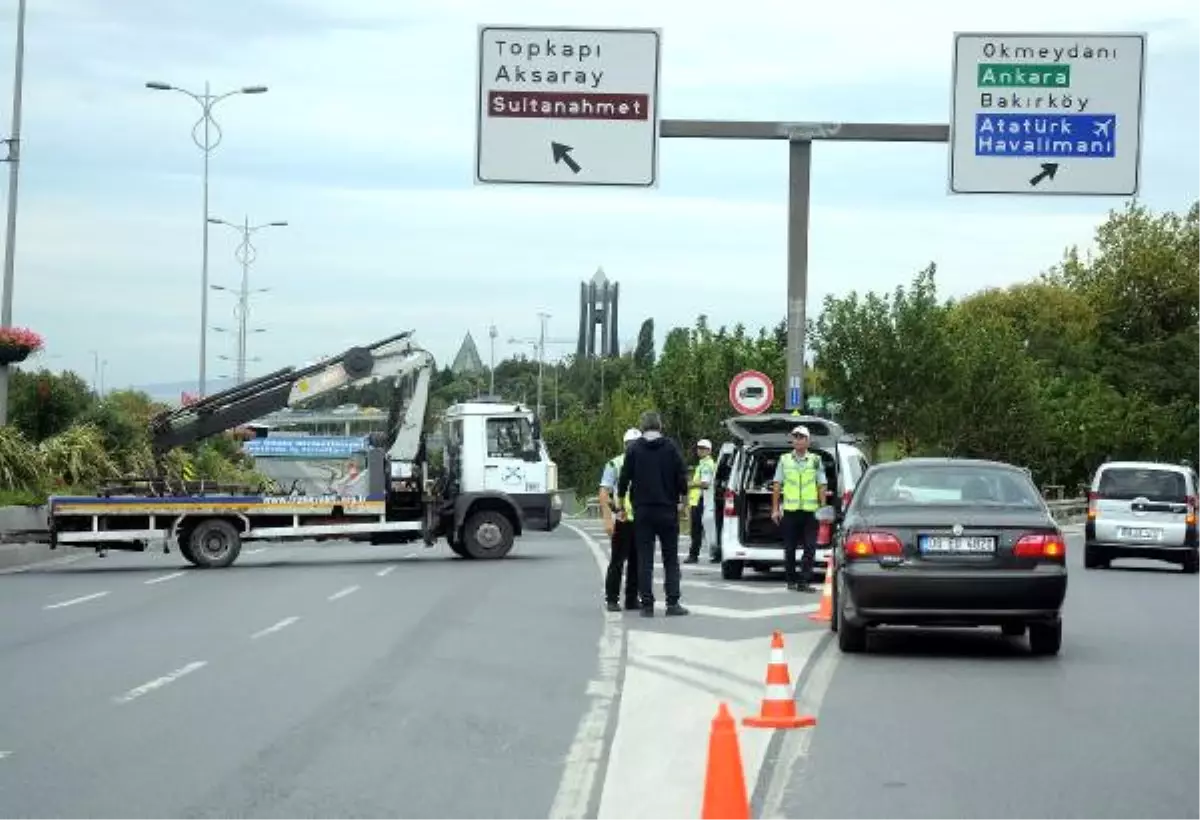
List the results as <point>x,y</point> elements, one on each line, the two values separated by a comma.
<point>786,130</point>
<point>800,137</point>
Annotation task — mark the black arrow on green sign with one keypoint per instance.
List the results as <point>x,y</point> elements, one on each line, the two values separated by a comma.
<point>562,153</point>
<point>1049,169</point>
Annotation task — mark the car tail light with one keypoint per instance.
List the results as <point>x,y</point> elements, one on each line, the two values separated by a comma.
<point>1051,546</point>
<point>729,498</point>
<point>1091,499</point>
<point>870,544</point>
<point>1190,521</point>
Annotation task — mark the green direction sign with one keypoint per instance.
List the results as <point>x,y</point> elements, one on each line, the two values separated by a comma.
<point>816,402</point>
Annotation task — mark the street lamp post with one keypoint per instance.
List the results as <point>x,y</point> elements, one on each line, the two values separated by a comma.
<point>206,125</point>
<point>246,254</point>
<point>10,234</point>
<point>492,334</point>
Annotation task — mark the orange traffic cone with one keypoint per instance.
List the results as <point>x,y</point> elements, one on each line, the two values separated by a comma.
<point>778,705</point>
<point>724,783</point>
<point>824,612</point>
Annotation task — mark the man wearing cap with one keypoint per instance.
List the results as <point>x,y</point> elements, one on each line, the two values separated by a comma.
<point>618,523</point>
<point>800,480</point>
<point>702,477</point>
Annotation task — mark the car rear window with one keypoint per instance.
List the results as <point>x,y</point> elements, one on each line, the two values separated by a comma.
<point>906,485</point>
<point>1128,483</point>
<point>761,463</point>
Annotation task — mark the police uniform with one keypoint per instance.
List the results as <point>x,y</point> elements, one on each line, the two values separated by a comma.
<point>799,478</point>
<point>623,549</point>
<point>703,473</point>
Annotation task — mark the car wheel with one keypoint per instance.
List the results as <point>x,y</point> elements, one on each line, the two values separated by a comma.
<point>1191,563</point>
<point>1045,638</point>
<point>850,638</point>
<point>1094,557</point>
<point>732,570</point>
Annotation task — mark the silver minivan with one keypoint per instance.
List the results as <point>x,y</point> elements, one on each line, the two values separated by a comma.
<point>1142,509</point>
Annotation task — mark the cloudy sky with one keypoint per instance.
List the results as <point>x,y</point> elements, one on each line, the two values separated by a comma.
<point>365,145</point>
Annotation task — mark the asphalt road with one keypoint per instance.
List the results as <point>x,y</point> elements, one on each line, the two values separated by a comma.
<point>339,681</point>
<point>967,724</point>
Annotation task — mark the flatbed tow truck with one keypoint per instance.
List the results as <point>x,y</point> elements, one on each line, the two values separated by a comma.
<point>497,480</point>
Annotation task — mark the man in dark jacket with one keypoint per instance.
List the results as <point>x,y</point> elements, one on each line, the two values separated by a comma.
<point>654,465</point>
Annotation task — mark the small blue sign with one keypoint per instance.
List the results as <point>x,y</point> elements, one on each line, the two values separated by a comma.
<point>1074,136</point>
<point>793,397</point>
<point>306,446</point>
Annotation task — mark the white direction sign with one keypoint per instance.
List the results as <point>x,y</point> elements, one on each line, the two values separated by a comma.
<point>751,392</point>
<point>567,106</point>
<point>1047,114</point>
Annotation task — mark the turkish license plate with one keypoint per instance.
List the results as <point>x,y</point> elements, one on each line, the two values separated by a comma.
<point>1143,533</point>
<point>958,545</point>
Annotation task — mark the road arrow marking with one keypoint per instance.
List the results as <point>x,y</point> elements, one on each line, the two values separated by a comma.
<point>1049,169</point>
<point>562,153</point>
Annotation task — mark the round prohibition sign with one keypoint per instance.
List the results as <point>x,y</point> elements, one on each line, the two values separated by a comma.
<point>751,392</point>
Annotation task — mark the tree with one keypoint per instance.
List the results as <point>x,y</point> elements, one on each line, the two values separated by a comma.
<point>643,354</point>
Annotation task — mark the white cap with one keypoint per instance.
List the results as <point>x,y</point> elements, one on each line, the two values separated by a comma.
<point>800,430</point>
<point>704,443</point>
<point>631,434</point>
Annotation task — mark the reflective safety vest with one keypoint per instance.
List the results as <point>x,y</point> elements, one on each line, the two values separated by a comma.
<point>616,464</point>
<point>800,482</point>
<point>695,492</point>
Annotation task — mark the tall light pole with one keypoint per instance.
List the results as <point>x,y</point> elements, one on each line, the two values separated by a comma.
<point>246,254</point>
<point>10,234</point>
<point>492,334</point>
<point>206,125</point>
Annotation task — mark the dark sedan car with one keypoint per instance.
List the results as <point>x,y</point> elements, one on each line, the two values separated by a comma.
<point>949,542</point>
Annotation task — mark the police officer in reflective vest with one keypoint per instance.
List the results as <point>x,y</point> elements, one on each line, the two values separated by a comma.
<point>800,480</point>
<point>702,478</point>
<point>618,523</point>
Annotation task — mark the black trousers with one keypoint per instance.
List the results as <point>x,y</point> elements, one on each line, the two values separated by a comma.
<point>799,526</point>
<point>661,523</point>
<point>697,513</point>
<point>622,558</point>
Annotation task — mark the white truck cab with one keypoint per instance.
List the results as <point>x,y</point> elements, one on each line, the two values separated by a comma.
<point>498,474</point>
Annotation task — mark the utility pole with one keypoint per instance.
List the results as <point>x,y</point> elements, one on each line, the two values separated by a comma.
<point>246,253</point>
<point>10,234</point>
<point>538,344</point>
<point>800,137</point>
<point>492,334</point>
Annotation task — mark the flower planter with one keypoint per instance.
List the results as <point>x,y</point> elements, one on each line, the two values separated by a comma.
<point>12,355</point>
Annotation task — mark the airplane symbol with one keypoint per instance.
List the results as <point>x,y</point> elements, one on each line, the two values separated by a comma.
<point>1100,129</point>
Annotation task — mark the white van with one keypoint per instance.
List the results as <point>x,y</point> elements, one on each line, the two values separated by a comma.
<point>748,535</point>
<point>1141,509</point>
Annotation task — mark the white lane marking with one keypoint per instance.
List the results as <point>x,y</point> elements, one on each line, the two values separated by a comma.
<point>286,622</point>
<point>588,748</point>
<point>342,593</point>
<point>158,683</point>
<point>74,601</point>
<point>410,555</point>
<point>162,578</point>
<point>255,551</point>
<point>5,754</point>
<point>761,589</point>
<point>743,614</point>
<point>53,562</point>
<point>794,751</point>
<point>386,571</point>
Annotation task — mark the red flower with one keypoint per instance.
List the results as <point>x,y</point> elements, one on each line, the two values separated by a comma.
<point>20,337</point>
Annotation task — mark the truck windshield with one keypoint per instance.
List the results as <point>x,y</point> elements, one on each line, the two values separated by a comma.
<point>509,437</point>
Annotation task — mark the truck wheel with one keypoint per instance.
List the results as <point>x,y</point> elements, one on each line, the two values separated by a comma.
<point>488,534</point>
<point>456,546</point>
<point>214,544</point>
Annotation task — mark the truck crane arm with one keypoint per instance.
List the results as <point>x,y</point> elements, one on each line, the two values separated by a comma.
<point>393,357</point>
